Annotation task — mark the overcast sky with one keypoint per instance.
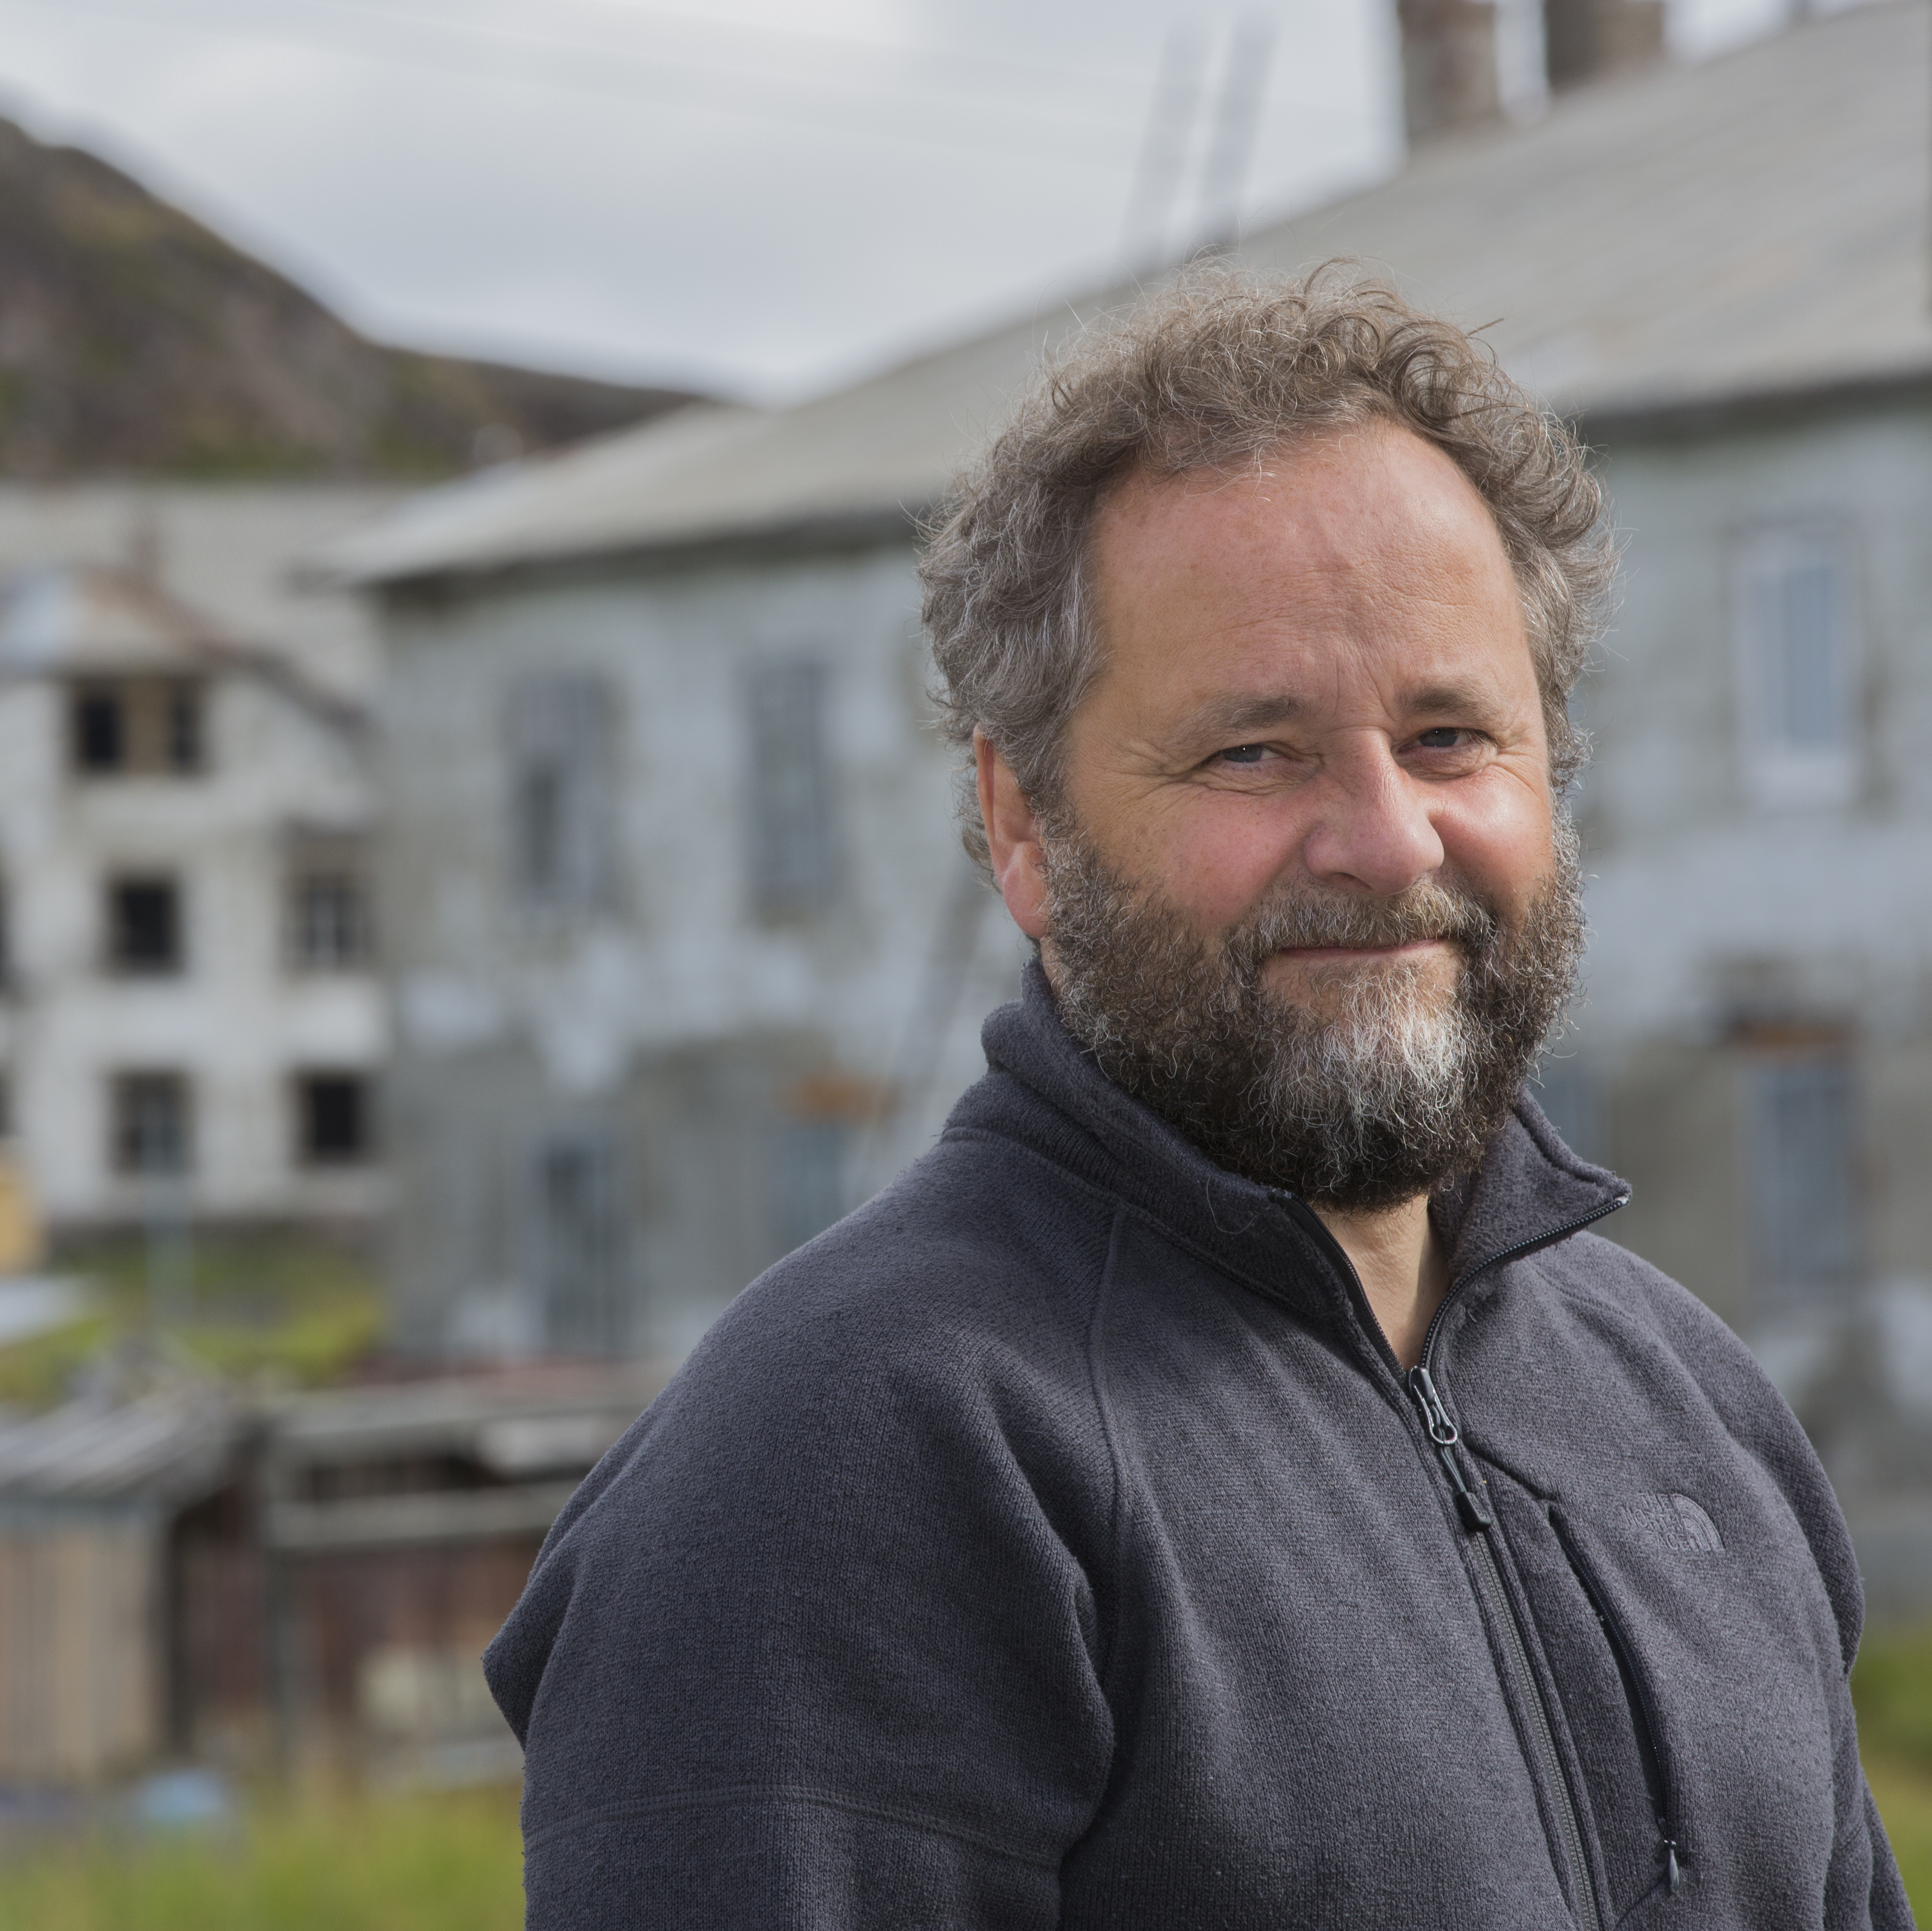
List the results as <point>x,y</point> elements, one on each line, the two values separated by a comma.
<point>757,197</point>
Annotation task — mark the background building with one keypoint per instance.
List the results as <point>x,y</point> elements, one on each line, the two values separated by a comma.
<point>193,1024</point>
<point>669,858</point>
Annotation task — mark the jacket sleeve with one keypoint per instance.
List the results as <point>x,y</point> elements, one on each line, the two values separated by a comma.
<point>812,1651</point>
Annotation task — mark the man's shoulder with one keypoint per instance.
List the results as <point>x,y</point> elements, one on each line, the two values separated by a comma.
<point>1630,1294</point>
<point>980,1236</point>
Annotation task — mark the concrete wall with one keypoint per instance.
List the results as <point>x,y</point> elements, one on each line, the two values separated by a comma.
<point>236,1020</point>
<point>1729,929</point>
<point>720,1054</point>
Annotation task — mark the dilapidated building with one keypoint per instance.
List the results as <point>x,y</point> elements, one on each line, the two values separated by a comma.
<point>671,857</point>
<point>190,1023</point>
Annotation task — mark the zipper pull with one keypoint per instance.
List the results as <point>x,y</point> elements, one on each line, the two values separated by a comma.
<point>1469,1505</point>
<point>1672,1875</point>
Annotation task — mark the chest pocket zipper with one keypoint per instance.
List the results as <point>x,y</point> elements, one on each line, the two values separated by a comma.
<point>1643,1707</point>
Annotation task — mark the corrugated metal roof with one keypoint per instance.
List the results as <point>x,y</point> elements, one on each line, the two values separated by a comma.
<point>1757,224</point>
<point>169,1446</point>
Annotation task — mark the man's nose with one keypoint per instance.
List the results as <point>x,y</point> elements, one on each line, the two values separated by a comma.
<point>1373,827</point>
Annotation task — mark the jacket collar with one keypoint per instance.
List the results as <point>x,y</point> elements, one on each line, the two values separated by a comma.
<point>1530,1190</point>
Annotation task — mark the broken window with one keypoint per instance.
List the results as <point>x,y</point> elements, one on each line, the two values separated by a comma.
<point>330,928</point>
<point>146,726</point>
<point>558,726</point>
<point>577,1231</point>
<point>144,926</point>
<point>1801,1144</point>
<point>152,1124</point>
<point>794,849</point>
<point>333,1119</point>
<point>1797,668</point>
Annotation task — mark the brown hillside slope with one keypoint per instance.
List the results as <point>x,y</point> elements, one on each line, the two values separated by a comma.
<point>134,341</point>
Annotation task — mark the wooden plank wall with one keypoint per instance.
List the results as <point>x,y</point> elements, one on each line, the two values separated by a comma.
<point>81,1672</point>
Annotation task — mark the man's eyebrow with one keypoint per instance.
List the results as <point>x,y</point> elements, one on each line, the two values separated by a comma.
<point>1476,695</point>
<point>1228,717</point>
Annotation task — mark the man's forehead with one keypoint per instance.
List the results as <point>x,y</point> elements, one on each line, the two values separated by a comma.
<point>1225,711</point>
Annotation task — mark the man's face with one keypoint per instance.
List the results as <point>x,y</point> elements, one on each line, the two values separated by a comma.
<point>1304,891</point>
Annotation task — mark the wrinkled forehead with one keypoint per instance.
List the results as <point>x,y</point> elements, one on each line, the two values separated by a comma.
<point>1366,553</point>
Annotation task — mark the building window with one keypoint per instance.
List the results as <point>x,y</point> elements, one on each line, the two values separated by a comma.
<point>333,1119</point>
<point>153,1123</point>
<point>1796,653</point>
<point>146,726</point>
<point>1801,1145</point>
<point>805,1180</point>
<point>144,926</point>
<point>577,1242</point>
<point>1572,1104</point>
<point>329,926</point>
<point>793,855</point>
<point>558,729</point>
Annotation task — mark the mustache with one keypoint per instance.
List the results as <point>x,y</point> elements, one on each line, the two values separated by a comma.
<point>1428,910</point>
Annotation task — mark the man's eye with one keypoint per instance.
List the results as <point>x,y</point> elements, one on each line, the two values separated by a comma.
<point>1245,753</point>
<point>1444,737</point>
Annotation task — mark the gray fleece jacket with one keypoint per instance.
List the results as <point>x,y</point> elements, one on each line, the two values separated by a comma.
<point>1056,1543</point>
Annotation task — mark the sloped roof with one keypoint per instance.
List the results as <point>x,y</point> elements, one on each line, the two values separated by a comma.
<point>1755,225</point>
<point>78,619</point>
<point>168,1447</point>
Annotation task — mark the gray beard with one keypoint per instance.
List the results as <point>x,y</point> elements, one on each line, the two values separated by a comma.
<point>1390,1090</point>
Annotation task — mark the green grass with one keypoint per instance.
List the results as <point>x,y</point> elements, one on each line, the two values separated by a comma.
<point>1892,1687</point>
<point>449,1862</point>
<point>274,1307</point>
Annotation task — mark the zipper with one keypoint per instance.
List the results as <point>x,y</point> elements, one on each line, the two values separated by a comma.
<point>1477,1522</point>
<point>1643,1707</point>
<point>1546,1763</point>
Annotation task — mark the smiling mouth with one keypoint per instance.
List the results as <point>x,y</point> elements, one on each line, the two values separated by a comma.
<point>1342,954</point>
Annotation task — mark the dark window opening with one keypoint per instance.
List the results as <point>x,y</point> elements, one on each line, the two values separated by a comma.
<point>334,1119</point>
<point>147,726</point>
<point>153,1126</point>
<point>145,925</point>
<point>100,733</point>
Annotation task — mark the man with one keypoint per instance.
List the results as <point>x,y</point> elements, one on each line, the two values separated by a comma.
<point>1225,1483</point>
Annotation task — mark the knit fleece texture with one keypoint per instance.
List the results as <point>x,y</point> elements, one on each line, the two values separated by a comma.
<point>1055,1543</point>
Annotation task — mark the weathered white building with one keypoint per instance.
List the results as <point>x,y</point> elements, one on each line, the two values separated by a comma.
<point>670,864</point>
<point>190,1024</point>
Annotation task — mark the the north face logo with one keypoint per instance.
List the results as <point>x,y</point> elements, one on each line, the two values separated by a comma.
<point>1675,1521</point>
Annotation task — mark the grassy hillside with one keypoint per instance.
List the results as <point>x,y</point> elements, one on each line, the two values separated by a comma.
<point>133,340</point>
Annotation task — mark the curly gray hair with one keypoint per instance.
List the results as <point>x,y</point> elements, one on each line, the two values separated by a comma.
<point>1221,369</point>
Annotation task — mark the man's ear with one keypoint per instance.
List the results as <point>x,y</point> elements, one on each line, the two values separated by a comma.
<point>1012,838</point>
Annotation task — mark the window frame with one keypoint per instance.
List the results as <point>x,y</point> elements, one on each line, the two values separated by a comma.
<point>119,963</point>
<point>308,1155</point>
<point>793,853</point>
<point>124,1083</point>
<point>1778,771</point>
<point>161,726</point>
